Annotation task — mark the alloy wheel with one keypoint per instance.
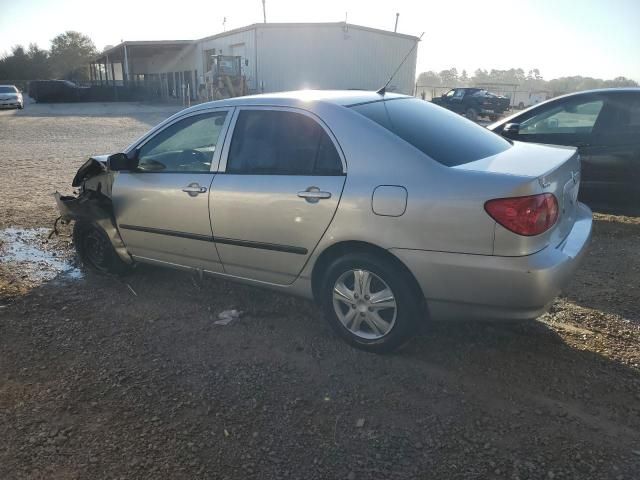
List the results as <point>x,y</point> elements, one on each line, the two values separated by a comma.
<point>364,304</point>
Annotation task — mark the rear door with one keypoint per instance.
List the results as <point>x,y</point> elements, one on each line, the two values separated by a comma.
<point>162,208</point>
<point>276,193</point>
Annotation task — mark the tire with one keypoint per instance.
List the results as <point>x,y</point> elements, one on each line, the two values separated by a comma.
<point>365,324</point>
<point>494,118</point>
<point>95,249</point>
<point>521,105</point>
<point>472,114</point>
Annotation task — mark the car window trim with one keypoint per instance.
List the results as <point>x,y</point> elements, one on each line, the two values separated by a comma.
<point>215,161</point>
<point>224,154</point>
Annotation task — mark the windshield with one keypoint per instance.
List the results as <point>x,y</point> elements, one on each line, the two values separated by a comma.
<point>8,90</point>
<point>444,136</point>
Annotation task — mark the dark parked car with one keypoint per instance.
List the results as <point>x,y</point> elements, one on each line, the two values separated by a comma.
<point>45,91</point>
<point>605,126</point>
<point>474,103</point>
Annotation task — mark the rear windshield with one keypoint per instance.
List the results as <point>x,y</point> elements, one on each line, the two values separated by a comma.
<point>444,136</point>
<point>8,90</point>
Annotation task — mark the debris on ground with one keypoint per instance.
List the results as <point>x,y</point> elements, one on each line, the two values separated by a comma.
<point>227,317</point>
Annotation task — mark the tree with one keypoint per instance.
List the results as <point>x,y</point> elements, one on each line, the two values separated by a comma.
<point>70,55</point>
<point>464,78</point>
<point>449,77</point>
<point>39,67</point>
<point>429,79</point>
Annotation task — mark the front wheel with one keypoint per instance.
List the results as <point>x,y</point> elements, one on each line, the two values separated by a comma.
<point>370,302</point>
<point>95,249</point>
<point>494,118</point>
<point>472,114</point>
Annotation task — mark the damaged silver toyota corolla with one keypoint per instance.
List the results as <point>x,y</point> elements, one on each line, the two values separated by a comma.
<point>383,208</point>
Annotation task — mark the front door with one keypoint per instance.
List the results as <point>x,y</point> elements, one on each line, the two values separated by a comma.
<point>611,162</point>
<point>277,194</point>
<point>162,208</point>
<point>568,122</point>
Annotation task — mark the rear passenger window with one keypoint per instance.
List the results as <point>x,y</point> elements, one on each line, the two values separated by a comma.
<point>444,136</point>
<point>273,142</point>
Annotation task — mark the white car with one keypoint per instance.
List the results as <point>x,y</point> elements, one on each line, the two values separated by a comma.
<point>11,97</point>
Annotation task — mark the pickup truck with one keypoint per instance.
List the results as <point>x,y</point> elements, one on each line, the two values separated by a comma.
<point>473,103</point>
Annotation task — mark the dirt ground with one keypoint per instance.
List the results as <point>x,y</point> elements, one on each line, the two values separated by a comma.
<point>113,378</point>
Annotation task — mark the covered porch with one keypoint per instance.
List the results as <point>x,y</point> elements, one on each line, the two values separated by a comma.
<point>165,68</point>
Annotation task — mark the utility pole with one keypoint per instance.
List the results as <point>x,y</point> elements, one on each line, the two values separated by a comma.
<point>395,29</point>
<point>264,11</point>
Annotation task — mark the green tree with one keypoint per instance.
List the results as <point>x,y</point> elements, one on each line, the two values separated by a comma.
<point>70,55</point>
<point>39,67</point>
<point>464,78</point>
<point>449,77</point>
<point>429,79</point>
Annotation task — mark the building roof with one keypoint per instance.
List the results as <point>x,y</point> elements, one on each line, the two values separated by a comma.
<point>115,51</point>
<point>307,25</point>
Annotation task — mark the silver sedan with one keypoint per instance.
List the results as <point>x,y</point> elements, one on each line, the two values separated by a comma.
<point>385,209</point>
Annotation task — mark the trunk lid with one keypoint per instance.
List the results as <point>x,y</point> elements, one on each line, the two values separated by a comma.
<point>536,169</point>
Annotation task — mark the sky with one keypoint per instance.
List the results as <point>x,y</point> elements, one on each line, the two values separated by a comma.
<point>559,37</point>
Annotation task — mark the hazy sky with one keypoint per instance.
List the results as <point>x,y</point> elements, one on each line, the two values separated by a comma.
<point>599,38</point>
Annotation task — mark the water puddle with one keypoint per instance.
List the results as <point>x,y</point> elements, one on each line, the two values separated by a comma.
<point>29,257</point>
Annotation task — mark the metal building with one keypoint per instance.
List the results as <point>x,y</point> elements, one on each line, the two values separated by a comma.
<point>273,57</point>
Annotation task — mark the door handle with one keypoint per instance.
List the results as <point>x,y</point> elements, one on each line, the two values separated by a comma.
<point>313,194</point>
<point>194,189</point>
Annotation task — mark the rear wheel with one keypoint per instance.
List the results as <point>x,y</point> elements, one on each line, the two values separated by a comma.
<point>370,302</point>
<point>472,114</point>
<point>95,249</point>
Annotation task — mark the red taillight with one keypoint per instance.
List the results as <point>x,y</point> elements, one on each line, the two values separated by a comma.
<point>531,215</point>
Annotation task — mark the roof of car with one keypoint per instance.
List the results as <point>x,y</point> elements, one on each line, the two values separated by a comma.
<point>339,97</point>
<point>601,90</point>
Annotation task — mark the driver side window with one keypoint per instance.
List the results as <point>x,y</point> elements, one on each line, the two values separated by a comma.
<point>185,146</point>
<point>566,118</point>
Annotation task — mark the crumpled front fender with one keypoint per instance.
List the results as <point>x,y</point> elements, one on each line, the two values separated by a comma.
<point>94,207</point>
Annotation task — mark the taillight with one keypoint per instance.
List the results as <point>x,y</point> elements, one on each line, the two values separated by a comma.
<point>531,215</point>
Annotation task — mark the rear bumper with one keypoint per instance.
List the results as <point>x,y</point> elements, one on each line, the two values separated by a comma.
<point>460,286</point>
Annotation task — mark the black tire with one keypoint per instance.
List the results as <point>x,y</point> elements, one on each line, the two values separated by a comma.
<point>407,295</point>
<point>494,118</point>
<point>95,249</point>
<point>472,114</point>
<point>521,105</point>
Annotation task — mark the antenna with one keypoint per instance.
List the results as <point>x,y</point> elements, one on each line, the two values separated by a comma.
<point>383,90</point>
<point>395,29</point>
<point>264,11</point>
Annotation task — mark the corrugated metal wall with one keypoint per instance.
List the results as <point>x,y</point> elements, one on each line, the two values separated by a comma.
<point>332,57</point>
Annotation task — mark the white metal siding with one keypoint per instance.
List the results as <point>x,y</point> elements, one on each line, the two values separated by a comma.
<point>234,44</point>
<point>290,57</point>
<point>332,57</point>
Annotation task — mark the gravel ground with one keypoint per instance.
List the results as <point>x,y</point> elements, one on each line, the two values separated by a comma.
<point>130,378</point>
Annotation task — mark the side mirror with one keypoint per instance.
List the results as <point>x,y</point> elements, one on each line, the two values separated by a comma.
<point>122,161</point>
<point>511,129</point>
